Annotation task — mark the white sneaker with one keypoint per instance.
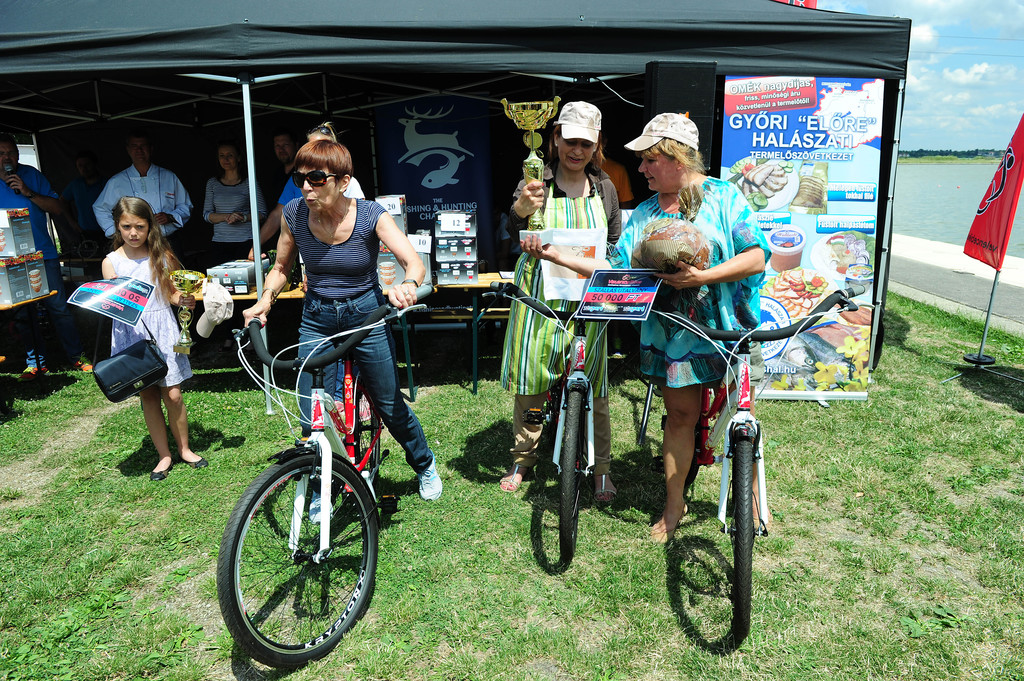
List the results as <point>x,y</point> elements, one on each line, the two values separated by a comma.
<point>430,483</point>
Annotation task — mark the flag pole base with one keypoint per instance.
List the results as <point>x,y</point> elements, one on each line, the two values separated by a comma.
<point>979,359</point>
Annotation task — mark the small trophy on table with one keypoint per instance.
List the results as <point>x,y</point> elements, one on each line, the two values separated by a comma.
<point>531,117</point>
<point>187,282</point>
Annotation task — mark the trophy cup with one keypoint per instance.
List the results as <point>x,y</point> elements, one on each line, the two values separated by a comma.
<point>187,282</point>
<point>531,117</point>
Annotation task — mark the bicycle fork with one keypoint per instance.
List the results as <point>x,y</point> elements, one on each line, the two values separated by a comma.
<point>577,381</point>
<point>744,425</point>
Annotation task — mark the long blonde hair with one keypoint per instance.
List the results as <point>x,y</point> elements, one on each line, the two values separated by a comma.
<point>161,258</point>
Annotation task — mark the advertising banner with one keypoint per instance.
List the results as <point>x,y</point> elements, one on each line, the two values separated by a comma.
<point>990,231</point>
<point>436,151</point>
<point>805,153</point>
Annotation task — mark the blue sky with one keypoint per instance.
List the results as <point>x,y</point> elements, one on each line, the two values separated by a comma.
<point>965,87</point>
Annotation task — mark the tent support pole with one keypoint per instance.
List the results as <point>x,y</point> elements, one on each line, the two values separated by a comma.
<point>250,155</point>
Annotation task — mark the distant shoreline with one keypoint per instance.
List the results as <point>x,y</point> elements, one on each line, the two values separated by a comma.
<point>947,159</point>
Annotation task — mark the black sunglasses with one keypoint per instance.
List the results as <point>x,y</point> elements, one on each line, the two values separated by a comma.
<point>325,129</point>
<point>316,178</point>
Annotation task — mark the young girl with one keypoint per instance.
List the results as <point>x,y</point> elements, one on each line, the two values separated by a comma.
<point>140,251</point>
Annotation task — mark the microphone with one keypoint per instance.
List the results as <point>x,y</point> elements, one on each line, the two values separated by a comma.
<point>8,169</point>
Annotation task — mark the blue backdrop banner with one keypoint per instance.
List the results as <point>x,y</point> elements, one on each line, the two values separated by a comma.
<point>437,151</point>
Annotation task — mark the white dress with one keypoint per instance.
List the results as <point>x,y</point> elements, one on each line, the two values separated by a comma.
<point>159,318</point>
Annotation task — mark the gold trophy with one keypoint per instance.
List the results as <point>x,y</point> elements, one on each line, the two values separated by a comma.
<point>531,117</point>
<point>187,282</point>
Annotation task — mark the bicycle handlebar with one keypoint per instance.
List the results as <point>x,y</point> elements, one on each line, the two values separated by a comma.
<point>384,312</point>
<point>841,296</point>
<point>510,290</point>
<point>506,289</point>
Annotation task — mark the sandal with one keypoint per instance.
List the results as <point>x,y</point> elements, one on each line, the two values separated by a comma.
<point>508,483</point>
<point>604,490</point>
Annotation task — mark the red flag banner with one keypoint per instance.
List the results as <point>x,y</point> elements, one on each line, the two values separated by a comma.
<point>990,230</point>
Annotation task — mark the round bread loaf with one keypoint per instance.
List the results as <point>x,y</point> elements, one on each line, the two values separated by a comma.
<point>668,240</point>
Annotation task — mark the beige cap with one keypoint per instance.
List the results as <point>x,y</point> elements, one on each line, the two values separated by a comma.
<point>672,126</point>
<point>218,307</point>
<point>580,121</point>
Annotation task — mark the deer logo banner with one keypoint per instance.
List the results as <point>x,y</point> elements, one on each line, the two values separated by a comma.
<point>436,151</point>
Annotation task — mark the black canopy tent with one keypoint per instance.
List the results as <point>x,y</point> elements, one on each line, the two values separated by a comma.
<point>105,66</point>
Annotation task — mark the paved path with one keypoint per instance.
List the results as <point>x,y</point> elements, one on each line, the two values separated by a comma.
<point>941,275</point>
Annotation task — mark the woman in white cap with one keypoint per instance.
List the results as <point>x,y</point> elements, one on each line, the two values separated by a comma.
<point>727,290</point>
<point>575,194</point>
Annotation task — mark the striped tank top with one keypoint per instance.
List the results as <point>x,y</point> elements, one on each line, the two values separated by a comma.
<point>338,271</point>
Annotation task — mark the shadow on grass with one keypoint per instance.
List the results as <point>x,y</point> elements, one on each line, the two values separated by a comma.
<point>995,384</point>
<point>202,441</point>
<point>695,566</point>
<point>40,389</point>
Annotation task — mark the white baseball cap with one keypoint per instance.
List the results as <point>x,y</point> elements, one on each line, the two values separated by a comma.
<point>672,126</point>
<point>580,121</point>
<point>218,307</point>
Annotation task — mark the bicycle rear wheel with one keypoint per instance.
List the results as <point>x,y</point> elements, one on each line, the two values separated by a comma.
<point>742,534</point>
<point>368,432</point>
<point>573,462</point>
<point>281,607</point>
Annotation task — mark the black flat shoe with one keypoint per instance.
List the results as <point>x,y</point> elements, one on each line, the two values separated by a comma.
<point>157,476</point>
<point>202,463</point>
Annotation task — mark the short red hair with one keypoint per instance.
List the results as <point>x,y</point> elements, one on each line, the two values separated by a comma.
<point>324,155</point>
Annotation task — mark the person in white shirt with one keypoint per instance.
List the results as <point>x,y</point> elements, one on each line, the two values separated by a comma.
<point>161,189</point>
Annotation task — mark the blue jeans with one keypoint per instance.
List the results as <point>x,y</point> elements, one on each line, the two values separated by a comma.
<point>60,316</point>
<point>375,355</point>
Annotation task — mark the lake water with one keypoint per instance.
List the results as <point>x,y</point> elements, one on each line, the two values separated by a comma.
<point>938,201</point>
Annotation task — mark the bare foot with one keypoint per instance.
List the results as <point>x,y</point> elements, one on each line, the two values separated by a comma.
<point>188,456</point>
<point>163,465</point>
<point>767,519</point>
<point>665,527</point>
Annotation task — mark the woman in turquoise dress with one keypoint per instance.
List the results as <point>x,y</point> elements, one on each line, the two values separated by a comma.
<point>574,194</point>
<point>724,295</point>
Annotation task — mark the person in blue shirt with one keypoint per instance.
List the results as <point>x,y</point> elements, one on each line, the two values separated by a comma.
<point>25,187</point>
<point>78,197</point>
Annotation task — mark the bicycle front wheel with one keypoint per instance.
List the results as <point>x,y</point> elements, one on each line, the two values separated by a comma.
<point>573,461</point>
<point>283,608</point>
<point>742,535</point>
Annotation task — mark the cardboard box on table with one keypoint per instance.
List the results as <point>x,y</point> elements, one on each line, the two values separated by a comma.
<point>35,271</point>
<point>238,276</point>
<point>390,272</point>
<point>449,273</point>
<point>455,235</point>
<point>14,286</point>
<point>455,249</point>
<point>394,204</point>
<point>15,232</point>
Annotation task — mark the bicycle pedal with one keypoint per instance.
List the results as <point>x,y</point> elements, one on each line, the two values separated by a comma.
<point>388,503</point>
<point>384,453</point>
<point>534,417</point>
<point>658,464</point>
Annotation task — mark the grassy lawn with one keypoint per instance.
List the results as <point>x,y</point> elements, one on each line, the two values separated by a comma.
<point>897,552</point>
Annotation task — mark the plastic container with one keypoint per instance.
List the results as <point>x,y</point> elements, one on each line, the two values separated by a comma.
<point>787,247</point>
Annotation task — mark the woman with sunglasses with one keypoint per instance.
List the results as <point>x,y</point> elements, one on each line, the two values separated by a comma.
<point>339,238</point>
<point>574,194</point>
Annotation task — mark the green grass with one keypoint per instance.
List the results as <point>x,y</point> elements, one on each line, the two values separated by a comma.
<point>897,552</point>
